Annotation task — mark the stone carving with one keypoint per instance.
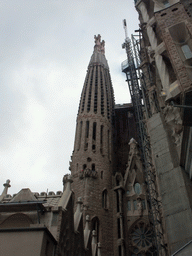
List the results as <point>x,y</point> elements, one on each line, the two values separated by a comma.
<point>173,119</point>
<point>97,39</point>
<point>133,147</point>
<point>6,186</point>
<point>151,54</point>
<point>88,173</point>
<point>66,178</point>
<point>99,46</point>
<point>139,206</point>
<point>152,99</point>
<point>103,47</point>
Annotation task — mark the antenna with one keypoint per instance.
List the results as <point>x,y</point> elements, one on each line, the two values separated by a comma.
<point>125,28</point>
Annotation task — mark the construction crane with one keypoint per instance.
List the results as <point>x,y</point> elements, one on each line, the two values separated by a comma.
<point>137,88</point>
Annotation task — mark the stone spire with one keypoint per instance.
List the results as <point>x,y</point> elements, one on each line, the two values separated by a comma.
<point>91,165</point>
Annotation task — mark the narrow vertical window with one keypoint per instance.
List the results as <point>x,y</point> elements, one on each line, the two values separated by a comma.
<point>94,130</point>
<point>129,205</point>
<point>86,135</point>
<point>137,188</point>
<point>143,204</point>
<point>101,139</point>
<point>90,91</point>
<point>119,228</point>
<point>87,129</point>
<point>105,199</point>
<point>80,132</point>
<point>93,167</point>
<point>119,250</point>
<point>95,96</point>
<point>117,201</point>
<point>95,226</point>
<point>94,136</point>
<point>102,95</point>
<point>135,204</point>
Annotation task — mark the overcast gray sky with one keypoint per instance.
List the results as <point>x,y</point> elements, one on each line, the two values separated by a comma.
<point>45,48</point>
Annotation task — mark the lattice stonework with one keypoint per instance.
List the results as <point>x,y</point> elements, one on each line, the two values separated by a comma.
<point>141,239</point>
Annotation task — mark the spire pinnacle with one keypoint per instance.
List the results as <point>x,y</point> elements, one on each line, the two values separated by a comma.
<point>99,46</point>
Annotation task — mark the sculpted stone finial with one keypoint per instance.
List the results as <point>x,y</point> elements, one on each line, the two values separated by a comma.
<point>6,186</point>
<point>133,147</point>
<point>99,46</point>
<point>103,47</point>
<point>97,39</point>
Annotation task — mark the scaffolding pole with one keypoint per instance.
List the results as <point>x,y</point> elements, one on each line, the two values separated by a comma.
<point>137,87</point>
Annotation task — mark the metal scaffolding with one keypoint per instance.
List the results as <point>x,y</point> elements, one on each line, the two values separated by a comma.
<point>137,80</point>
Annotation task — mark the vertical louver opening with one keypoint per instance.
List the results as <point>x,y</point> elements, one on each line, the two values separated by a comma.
<point>80,132</point>
<point>96,90</point>
<point>90,91</point>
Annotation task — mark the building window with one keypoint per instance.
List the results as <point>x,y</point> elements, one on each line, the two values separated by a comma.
<point>143,204</point>
<point>95,226</point>
<point>105,199</point>
<point>94,135</point>
<point>87,129</point>
<point>141,237</point>
<point>117,201</point>
<point>93,167</point>
<point>94,130</point>
<point>129,205</point>
<point>186,51</point>
<point>101,139</point>
<point>119,250</point>
<point>135,204</point>
<point>80,132</point>
<point>118,228</point>
<point>137,188</point>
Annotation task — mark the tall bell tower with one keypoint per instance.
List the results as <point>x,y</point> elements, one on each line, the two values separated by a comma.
<point>91,165</point>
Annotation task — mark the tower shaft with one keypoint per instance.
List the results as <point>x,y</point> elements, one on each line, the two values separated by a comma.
<point>91,165</point>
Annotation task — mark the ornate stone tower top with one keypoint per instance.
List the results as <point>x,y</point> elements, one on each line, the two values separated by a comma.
<point>99,46</point>
<point>98,56</point>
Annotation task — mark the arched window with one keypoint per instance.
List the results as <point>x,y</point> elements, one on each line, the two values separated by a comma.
<point>95,226</point>
<point>137,188</point>
<point>105,199</point>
